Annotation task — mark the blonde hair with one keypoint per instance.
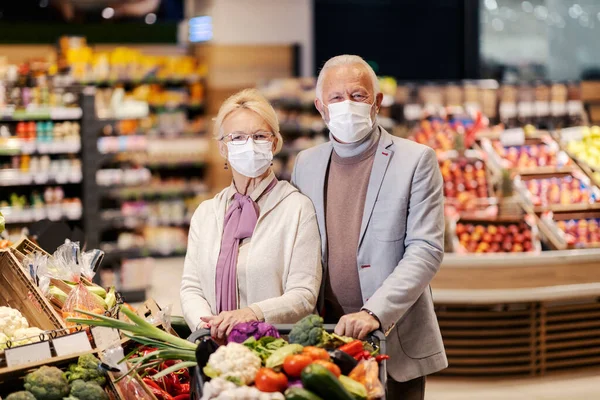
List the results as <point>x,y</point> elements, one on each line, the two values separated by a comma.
<point>346,59</point>
<point>253,100</point>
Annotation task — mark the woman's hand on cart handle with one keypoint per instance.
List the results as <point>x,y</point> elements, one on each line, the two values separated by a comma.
<point>357,325</point>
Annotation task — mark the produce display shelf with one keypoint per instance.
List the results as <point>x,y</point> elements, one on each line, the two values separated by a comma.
<point>54,114</point>
<point>33,182</point>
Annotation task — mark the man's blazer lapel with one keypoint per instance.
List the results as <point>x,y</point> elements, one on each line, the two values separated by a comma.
<point>380,164</point>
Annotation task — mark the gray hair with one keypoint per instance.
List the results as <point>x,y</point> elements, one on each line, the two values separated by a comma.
<point>345,59</point>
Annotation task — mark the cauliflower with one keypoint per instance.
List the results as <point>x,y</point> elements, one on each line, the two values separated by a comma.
<point>220,389</point>
<point>47,383</point>
<point>235,363</point>
<point>11,320</point>
<point>26,335</point>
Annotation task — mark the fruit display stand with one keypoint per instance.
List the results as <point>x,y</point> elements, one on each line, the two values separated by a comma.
<point>582,144</point>
<point>538,153</point>
<point>560,191</point>
<point>519,313</point>
<point>572,230</point>
<point>494,235</point>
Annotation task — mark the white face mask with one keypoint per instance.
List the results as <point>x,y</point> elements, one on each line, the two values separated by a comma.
<point>250,159</point>
<point>350,121</point>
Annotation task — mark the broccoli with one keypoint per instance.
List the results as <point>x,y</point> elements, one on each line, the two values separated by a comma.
<point>23,395</point>
<point>47,383</point>
<point>87,391</point>
<point>86,369</point>
<point>308,331</point>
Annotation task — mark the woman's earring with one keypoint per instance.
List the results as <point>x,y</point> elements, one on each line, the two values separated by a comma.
<point>271,163</point>
<point>226,165</point>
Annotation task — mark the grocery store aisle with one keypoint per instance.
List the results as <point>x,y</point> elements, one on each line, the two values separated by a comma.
<point>565,386</point>
<point>166,278</point>
<point>583,385</point>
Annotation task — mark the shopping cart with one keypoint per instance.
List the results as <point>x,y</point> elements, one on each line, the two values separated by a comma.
<point>377,338</point>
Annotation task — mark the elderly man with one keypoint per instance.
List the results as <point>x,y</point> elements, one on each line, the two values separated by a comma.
<point>379,207</point>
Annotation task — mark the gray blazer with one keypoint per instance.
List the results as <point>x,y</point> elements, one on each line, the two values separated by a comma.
<point>400,248</point>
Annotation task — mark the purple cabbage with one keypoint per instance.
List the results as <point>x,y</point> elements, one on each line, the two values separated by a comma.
<point>245,330</point>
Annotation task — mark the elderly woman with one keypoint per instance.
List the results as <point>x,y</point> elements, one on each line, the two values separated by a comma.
<point>254,249</point>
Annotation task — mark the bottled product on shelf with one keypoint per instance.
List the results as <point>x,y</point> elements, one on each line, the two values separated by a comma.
<point>51,204</point>
<point>40,138</point>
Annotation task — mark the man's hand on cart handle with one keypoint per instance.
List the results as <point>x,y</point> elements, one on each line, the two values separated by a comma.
<point>357,325</point>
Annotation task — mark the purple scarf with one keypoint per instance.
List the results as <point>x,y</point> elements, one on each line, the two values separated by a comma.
<point>240,221</point>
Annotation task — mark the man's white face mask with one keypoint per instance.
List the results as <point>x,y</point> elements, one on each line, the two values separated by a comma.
<point>350,121</point>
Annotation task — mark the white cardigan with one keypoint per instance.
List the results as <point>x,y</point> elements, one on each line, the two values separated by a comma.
<point>283,270</point>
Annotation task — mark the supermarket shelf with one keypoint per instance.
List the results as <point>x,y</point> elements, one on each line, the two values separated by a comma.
<point>152,190</point>
<point>129,83</point>
<point>54,114</point>
<point>25,215</point>
<point>129,254</point>
<point>30,181</point>
<point>124,222</point>
<point>16,146</point>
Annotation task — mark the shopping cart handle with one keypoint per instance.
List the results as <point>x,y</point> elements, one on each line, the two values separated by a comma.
<point>199,334</point>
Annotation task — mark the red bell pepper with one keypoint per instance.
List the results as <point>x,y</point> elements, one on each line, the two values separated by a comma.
<point>353,348</point>
<point>156,390</point>
<point>381,357</point>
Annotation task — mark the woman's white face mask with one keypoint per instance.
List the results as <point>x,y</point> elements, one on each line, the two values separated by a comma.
<point>350,121</point>
<point>250,159</point>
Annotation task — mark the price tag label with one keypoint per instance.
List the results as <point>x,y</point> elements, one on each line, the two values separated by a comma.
<point>508,110</point>
<point>558,108</point>
<point>526,109</point>
<point>105,337</point>
<point>512,137</point>
<point>27,354</point>
<point>72,344</point>
<point>412,112</point>
<point>574,133</point>
<point>574,107</point>
<point>542,108</point>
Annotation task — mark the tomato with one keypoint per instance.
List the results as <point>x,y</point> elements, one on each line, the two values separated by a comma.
<point>270,381</point>
<point>334,369</point>
<point>316,353</point>
<point>293,365</point>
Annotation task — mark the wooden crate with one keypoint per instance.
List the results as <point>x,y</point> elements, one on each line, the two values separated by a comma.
<point>497,162</point>
<point>11,379</point>
<point>556,237</point>
<point>18,291</point>
<point>505,221</point>
<point>526,197</point>
<point>26,246</point>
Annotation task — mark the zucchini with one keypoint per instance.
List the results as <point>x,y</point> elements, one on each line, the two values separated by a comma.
<point>320,381</point>
<point>356,389</point>
<point>300,394</point>
<point>343,360</point>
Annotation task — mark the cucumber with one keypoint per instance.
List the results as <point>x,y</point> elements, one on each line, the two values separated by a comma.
<point>320,381</point>
<point>300,394</point>
<point>355,388</point>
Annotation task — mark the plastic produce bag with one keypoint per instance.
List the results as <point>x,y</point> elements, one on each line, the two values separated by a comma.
<point>67,262</point>
<point>36,264</point>
<point>367,373</point>
<point>90,261</point>
<point>80,298</point>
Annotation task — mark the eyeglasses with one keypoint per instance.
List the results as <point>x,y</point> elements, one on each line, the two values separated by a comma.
<point>241,138</point>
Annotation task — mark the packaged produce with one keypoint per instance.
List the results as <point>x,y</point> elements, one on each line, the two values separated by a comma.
<point>367,373</point>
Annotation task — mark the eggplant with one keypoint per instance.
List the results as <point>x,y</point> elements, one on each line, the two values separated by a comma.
<point>205,348</point>
<point>343,360</point>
